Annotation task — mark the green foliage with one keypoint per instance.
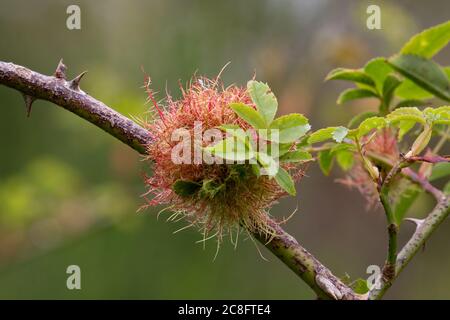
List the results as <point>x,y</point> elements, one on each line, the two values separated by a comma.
<point>425,73</point>
<point>336,133</point>
<point>250,115</point>
<point>370,124</point>
<point>429,42</point>
<point>353,94</point>
<point>378,70</point>
<point>404,195</point>
<point>282,133</point>
<point>285,181</point>
<point>291,127</point>
<point>325,161</point>
<point>296,156</point>
<point>350,75</point>
<point>360,286</point>
<point>389,86</point>
<point>356,120</point>
<point>264,99</point>
<point>440,170</point>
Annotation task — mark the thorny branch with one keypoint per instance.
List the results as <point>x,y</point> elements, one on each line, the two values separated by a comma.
<point>68,95</point>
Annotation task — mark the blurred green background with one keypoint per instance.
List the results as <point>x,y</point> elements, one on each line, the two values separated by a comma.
<point>69,192</point>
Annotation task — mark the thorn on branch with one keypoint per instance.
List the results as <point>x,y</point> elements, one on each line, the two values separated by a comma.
<point>417,222</point>
<point>28,103</point>
<point>60,71</point>
<point>75,83</point>
<point>328,286</point>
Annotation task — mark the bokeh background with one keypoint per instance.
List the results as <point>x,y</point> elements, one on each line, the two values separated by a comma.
<point>69,192</point>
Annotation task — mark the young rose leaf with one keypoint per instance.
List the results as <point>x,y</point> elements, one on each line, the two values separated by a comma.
<point>356,120</point>
<point>359,286</point>
<point>389,86</point>
<point>440,170</point>
<point>284,180</point>
<point>353,75</point>
<point>325,161</point>
<point>270,165</point>
<point>446,189</point>
<point>185,188</point>
<point>339,134</point>
<point>291,127</point>
<point>409,90</point>
<point>336,133</point>
<point>378,69</point>
<point>250,115</point>
<point>296,156</point>
<point>404,196</point>
<point>264,99</point>
<point>232,148</point>
<point>429,42</point>
<point>407,113</point>
<point>424,73</point>
<point>411,103</point>
<point>353,94</point>
<point>276,150</point>
<point>370,124</point>
<point>345,159</point>
<point>439,115</point>
<point>404,126</point>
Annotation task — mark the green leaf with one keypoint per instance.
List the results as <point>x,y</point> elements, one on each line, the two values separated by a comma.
<point>232,148</point>
<point>411,103</point>
<point>370,124</point>
<point>424,73</point>
<point>359,286</point>
<point>429,42</point>
<point>296,156</point>
<point>407,113</point>
<point>291,127</point>
<point>336,133</point>
<point>321,135</point>
<point>404,194</point>
<point>439,115</point>
<point>378,69</point>
<point>264,99</point>
<point>350,75</point>
<point>250,115</point>
<point>285,181</point>
<point>339,134</point>
<point>390,85</point>
<point>404,126</point>
<point>356,120</point>
<point>345,159</point>
<point>446,189</point>
<point>440,170</point>
<point>325,161</point>
<point>268,163</point>
<point>185,188</point>
<point>353,94</point>
<point>409,90</point>
<point>278,149</point>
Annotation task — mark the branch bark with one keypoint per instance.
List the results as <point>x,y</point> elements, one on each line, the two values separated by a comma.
<point>424,230</point>
<point>67,94</point>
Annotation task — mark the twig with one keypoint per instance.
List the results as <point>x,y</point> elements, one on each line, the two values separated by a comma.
<point>68,95</point>
<point>423,231</point>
